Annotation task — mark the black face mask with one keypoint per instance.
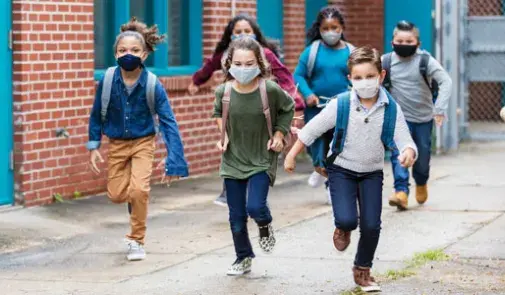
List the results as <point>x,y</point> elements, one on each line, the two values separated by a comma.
<point>405,50</point>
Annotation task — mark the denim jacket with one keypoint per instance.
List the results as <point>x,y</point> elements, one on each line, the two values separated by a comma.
<point>128,117</point>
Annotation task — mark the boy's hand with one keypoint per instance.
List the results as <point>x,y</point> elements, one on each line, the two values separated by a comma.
<point>312,100</point>
<point>407,158</point>
<point>164,178</point>
<point>289,164</point>
<point>321,171</point>
<point>439,120</point>
<point>94,157</point>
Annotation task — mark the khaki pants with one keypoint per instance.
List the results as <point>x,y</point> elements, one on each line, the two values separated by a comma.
<point>130,166</point>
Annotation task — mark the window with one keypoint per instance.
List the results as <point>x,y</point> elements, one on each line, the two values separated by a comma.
<point>180,20</point>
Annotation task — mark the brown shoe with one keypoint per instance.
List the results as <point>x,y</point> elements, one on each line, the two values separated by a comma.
<point>364,280</point>
<point>400,200</point>
<point>341,239</point>
<point>421,193</point>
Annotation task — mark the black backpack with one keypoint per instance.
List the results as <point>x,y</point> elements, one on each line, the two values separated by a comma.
<point>423,68</point>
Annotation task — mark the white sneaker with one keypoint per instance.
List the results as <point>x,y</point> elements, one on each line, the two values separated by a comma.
<point>240,267</point>
<point>136,251</point>
<point>316,180</point>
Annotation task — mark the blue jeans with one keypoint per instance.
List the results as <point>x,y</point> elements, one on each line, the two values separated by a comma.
<point>319,149</point>
<point>421,134</point>
<point>240,207</point>
<point>344,187</point>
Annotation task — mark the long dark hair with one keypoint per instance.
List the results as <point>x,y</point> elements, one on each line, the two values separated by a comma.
<point>224,43</point>
<point>327,12</point>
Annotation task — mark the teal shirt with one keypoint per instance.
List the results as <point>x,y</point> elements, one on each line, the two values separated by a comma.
<point>329,76</point>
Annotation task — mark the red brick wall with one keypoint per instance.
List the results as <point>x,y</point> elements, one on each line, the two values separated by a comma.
<point>364,21</point>
<point>53,87</point>
<point>294,31</point>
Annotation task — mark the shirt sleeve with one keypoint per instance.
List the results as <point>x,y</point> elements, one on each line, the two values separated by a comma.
<point>300,74</point>
<point>175,164</point>
<point>284,78</point>
<point>95,120</point>
<point>218,104</point>
<point>402,137</point>
<point>285,108</point>
<point>439,74</point>
<point>209,67</point>
<point>320,124</point>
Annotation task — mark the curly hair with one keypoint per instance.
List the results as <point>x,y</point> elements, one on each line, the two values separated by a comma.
<point>247,44</point>
<point>148,36</point>
<point>313,33</point>
<point>225,41</point>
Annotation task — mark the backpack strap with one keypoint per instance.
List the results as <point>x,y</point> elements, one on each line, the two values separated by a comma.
<point>266,106</point>
<point>389,124</point>
<point>343,109</point>
<point>386,65</point>
<point>314,47</point>
<point>150,97</point>
<point>225,101</point>
<point>423,68</point>
<point>106,91</point>
<point>350,46</point>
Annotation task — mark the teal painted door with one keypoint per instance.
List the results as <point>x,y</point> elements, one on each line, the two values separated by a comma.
<point>6,173</point>
<point>312,8</point>
<point>270,20</point>
<point>418,12</point>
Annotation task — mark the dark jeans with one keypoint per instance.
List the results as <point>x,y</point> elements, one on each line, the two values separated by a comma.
<point>255,205</point>
<point>344,186</point>
<point>421,134</point>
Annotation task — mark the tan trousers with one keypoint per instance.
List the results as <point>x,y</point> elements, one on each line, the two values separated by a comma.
<point>130,166</point>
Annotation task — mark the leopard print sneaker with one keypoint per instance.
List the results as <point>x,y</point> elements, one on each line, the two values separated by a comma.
<point>240,267</point>
<point>267,238</point>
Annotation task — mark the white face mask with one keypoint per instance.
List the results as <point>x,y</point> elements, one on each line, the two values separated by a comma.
<point>366,88</point>
<point>244,75</point>
<point>331,38</point>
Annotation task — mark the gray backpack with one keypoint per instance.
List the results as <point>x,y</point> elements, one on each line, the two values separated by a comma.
<point>314,47</point>
<point>150,89</point>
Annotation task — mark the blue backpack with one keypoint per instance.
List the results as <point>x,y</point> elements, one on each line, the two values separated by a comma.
<point>343,110</point>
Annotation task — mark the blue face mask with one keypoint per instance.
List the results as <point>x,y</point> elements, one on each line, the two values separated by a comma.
<point>235,37</point>
<point>244,75</point>
<point>129,62</point>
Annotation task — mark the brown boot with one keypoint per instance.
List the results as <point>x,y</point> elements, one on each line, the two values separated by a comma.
<point>364,280</point>
<point>400,200</point>
<point>421,193</point>
<point>341,239</point>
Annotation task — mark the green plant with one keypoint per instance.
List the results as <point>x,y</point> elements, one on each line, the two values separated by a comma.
<point>58,198</point>
<point>77,194</point>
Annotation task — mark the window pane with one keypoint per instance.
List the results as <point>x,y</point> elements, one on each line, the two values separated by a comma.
<point>178,32</point>
<point>102,33</point>
<point>143,10</point>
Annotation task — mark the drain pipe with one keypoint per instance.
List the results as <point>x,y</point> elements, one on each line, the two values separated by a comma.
<point>437,15</point>
<point>233,8</point>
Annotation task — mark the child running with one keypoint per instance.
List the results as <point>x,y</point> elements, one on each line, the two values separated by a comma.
<point>321,74</point>
<point>411,78</point>
<point>365,121</point>
<point>239,27</point>
<point>128,99</point>
<point>254,116</point>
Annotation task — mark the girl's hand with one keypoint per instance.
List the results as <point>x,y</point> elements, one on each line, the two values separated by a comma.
<point>94,157</point>
<point>407,158</point>
<point>164,178</point>
<point>222,147</point>
<point>193,89</point>
<point>289,164</point>
<point>312,100</point>
<point>276,144</point>
<point>439,120</point>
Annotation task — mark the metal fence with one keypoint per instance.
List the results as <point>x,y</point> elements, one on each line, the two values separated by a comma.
<point>483,59</point>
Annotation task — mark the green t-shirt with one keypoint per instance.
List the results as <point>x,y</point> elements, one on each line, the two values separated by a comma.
<point>247,152</point>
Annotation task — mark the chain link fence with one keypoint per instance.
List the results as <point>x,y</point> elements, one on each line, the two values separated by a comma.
<point>484,60</point>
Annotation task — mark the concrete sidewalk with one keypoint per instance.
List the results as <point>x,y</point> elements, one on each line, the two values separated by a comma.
<point>75,247</point>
